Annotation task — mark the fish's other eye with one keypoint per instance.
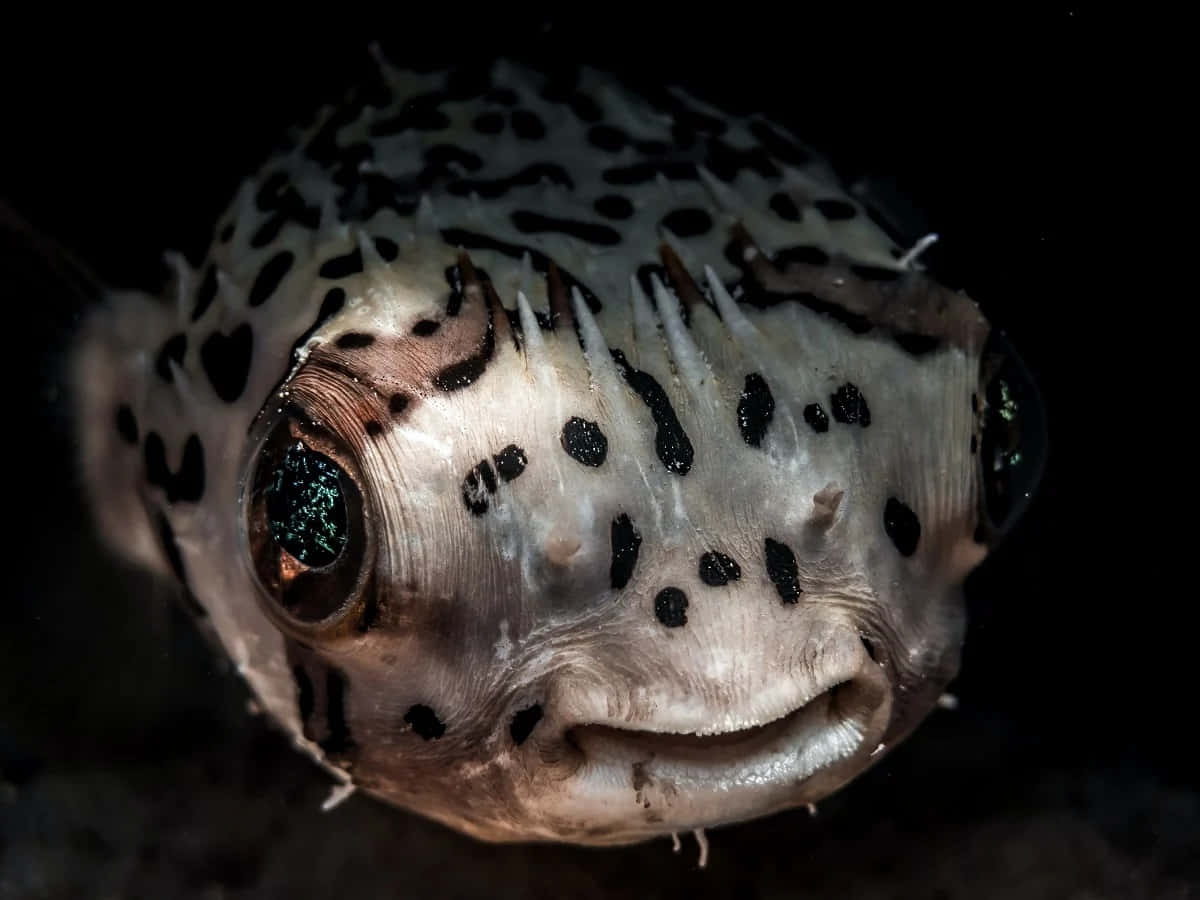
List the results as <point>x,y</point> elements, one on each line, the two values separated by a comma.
<point>1013,445</point>
<point>306,528</point>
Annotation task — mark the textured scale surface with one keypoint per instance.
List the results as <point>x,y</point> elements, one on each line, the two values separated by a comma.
<point>645,467</point>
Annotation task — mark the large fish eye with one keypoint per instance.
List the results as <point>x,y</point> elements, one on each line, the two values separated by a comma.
<point>1013,445</point>
<point>306,527</point>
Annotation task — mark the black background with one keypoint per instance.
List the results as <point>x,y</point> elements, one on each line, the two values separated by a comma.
<point>128,763</point>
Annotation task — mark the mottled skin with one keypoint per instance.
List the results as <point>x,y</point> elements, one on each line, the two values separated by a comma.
<point>471,655</point>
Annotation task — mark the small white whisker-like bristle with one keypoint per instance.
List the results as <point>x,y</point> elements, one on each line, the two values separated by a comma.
<point>181,274</point>
<point>729,201</point>
<point>676,844</point>
<point>731,314</point>
<point>595,349</point>
<point>338,795</point>
<point>526,272</point>
<point>909,258</point>
<point>644,324</point>
<point>535,345</point>
<point>691,363</point>
<point>702,840</point>
<point>426,219</point>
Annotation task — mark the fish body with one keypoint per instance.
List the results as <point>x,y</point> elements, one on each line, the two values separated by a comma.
<point>561,463</point>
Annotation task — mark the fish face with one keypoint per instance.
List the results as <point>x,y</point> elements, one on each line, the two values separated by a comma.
<point>557,496</point>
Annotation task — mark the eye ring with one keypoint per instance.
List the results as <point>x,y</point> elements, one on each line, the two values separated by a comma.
<point>306,528</point>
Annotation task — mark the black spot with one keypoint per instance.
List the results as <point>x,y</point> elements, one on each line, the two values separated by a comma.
<point>355,340</point>
<point>725,161</point>
<point>387,249</point>
<point>785,207</point>
<point>374,429</point>
<point>671,607</point>
<point>127,425</point>
<point>756,408</point>
<point>916,344</point>
<point>338,739</point>
<point>815,416</point>
<point>188,483</point>
<point>835,210</point>
<point>172,349</point>
<point>652,148</point>
<point>626,544</point>
<point>527,126</point>
<point>717,569</point>
<point>487,476</point>
<point>426,327</point>
<point>226,361</point>
<point>269,276</point>
<point>465,372</point>
<point>397,404</point>
<point>206,293</point>
<point>342,266</point>
<point>489,123</point>
<point>510,462</point>
<point>475,492</point>
<point>523,723</point>
<point>424,721</point>
<point>607,138</point>
<point>613,206</point>
<point>779,146</point>
<point>469,240</point>
<point>166,537</point>
<point>850,406</point>
<point>584,441</point>
<point>688,222</point>
<point>592,232</point>
<point>491,188</point>
<point>902,526</point>
<point>974,445</point>
<point>305,697</point>
<point>812,256</point>
<point>783,570</point>
<point>671,442</point>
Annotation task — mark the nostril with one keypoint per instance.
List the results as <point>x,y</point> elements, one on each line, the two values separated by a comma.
<point>523,723</point>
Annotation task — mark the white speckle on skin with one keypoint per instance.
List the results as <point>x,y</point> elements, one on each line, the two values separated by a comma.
<point>503,645</point>
<point>338,795</point>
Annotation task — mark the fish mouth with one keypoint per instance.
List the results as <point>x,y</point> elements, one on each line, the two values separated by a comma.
<point>634,780</point>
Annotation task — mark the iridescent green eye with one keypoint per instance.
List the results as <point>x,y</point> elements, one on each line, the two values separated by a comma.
<point>306,511</point>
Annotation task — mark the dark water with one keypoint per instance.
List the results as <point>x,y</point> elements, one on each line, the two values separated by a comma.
<point>129,766</point>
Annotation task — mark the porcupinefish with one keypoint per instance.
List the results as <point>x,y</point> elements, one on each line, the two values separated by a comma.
<point>558,462</point>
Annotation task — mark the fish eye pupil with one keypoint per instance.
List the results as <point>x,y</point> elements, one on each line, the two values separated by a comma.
<point>306,510</point>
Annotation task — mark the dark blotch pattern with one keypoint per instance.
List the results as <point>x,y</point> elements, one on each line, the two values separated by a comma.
<point>785,207</point>
<point>835,210</point>
<point>355,340</point>
<point>424,721</point>
<point>755,409</point>
<point>626,544</point>
<point>226,361</point>
<point>688,222</point>
<point>527,126</point>
<point>510,462</point>
<point>426,327</point>
<point>489,123</point>
<point>465,372</point>
<point>613,206</point>
<point>584,441</point>
<point>273,271</point>
<point>591,232</point>
<point>127,426</point>
<point>671,607</point>
<point>717,569</point>
<point>387,249</point>
<point>523,723</point>
<point>902,526</point>
<point>342,266</point>
<point>815,416</point>
<point>187,484</point>
<point>172,350</point>
<point>783,570</point>
<point>374,429</point>
<point>850,406</point>
<point>671,442</point>
<point>398,403</point>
